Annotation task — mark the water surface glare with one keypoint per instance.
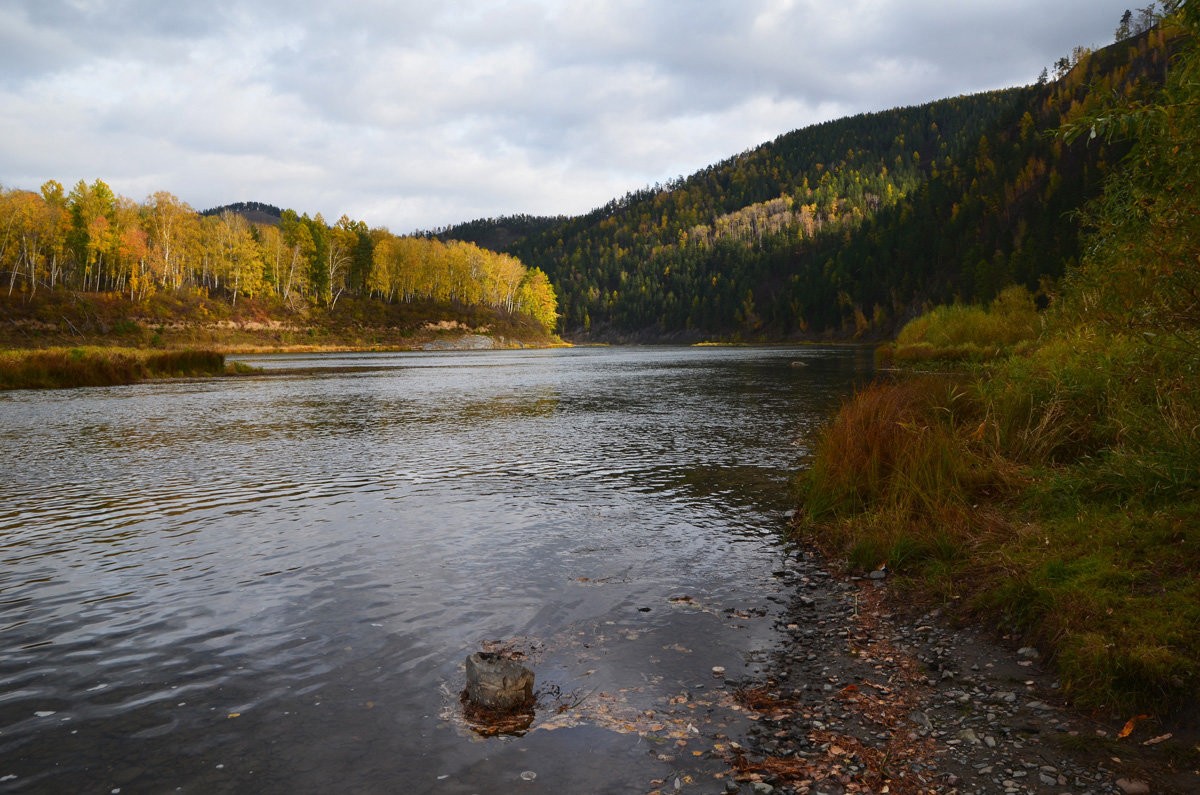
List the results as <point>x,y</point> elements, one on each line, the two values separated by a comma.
<point>270,583</point>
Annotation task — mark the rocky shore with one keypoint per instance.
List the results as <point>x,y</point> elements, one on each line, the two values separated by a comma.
<point>866,695</point>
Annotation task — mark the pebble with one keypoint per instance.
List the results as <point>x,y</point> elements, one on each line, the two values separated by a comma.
<point>982,710</point>
<point>920,719</point>
<point>528,775</point>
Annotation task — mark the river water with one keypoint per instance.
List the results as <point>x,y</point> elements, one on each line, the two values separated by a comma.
<point>269,584</point>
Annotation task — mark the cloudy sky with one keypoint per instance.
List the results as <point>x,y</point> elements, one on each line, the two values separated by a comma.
<point>412,115</point>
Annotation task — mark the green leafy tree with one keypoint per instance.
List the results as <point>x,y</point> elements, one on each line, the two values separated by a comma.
<point>1141,268</point>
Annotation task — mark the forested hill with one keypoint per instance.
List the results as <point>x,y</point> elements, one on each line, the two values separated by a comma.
<point>498,234</point>
<point>254,212</point>
<point>845,228</point>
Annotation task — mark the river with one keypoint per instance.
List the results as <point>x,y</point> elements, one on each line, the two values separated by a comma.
<point>269,583</point>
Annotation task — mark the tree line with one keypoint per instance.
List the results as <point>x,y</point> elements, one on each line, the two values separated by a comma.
<point>91,239</point>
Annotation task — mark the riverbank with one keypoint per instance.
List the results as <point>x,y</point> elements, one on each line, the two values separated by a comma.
<point>866,695</point>
<point>1040,488</point>
<point>190,319</point>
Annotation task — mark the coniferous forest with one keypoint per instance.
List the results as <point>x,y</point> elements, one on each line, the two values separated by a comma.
<point>848,228</point>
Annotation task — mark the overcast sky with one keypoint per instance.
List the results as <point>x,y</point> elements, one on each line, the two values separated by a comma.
<point>412,114</point>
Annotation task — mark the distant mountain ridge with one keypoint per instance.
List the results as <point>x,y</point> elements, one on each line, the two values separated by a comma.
<point>254,212</point>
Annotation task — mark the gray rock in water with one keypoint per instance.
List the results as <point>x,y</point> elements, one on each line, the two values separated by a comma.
<point>498,683</point>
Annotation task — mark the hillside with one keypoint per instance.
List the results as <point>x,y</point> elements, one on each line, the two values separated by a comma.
<point>1050,485</point>
<point>254,212</point>
<point>847,228</point>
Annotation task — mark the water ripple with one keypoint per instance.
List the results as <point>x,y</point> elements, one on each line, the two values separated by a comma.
<point>185,568</point>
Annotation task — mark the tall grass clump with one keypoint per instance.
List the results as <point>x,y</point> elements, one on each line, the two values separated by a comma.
<point>1116,417</point>
<point>185,363</point>
<point>893,443</point>
<point>895,473</point>
<point>63,368</point>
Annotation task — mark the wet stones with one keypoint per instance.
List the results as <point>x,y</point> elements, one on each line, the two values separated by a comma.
<point>497,683</point>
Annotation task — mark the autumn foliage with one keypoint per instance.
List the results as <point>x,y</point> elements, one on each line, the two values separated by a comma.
<point>92,240</point>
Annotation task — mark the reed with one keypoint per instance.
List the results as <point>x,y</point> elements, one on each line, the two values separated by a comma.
<point>62,368</point>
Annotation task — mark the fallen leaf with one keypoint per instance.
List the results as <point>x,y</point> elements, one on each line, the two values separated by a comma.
<point>234,715</point>
<point>1128,730</point>
<point>1159,739</point>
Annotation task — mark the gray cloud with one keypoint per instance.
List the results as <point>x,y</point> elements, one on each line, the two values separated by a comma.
<point>408,117</point>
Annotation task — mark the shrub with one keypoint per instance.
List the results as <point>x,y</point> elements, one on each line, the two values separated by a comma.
<point>970,332</point>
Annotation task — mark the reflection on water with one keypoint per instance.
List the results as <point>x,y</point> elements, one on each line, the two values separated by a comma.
<point>270,583</point>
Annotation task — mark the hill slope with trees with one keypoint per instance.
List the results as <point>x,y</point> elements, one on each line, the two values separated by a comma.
<point>847,228</point>
<point>76,264</point>
<point>1051,485</point>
